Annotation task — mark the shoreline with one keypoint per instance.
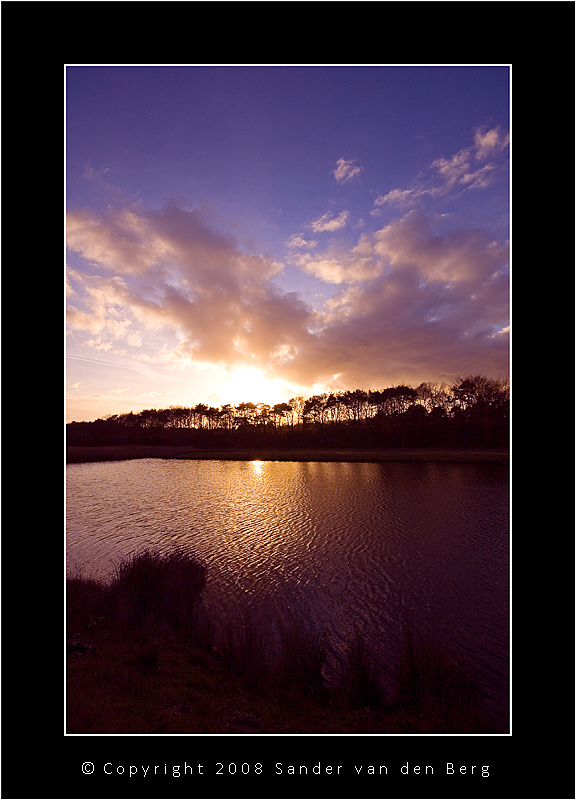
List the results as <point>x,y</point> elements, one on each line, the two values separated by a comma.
<point>349,455</point>
<point>88,454</point>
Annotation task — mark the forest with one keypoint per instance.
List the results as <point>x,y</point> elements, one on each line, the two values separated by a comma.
<point>472,412</point>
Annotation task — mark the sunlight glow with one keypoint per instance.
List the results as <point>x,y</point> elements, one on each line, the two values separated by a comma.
<point>248,385</point>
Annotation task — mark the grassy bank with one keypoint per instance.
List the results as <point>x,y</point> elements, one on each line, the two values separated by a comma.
<point>143,657</point>
<point>123,452</point>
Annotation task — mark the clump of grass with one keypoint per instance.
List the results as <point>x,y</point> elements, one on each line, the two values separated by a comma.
<point>359,683</point>
<point>152,588</point>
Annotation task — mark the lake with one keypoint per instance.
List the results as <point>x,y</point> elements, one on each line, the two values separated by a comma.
<point>347,546</point>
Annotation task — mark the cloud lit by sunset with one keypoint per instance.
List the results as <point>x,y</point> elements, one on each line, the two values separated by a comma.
<point>250,234</point>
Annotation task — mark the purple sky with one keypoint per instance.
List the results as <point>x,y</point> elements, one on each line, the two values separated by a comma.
<point>253,233</point>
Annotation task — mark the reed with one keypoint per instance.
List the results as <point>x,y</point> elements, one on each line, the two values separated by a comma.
<point>359,682</point>
<point>245,652</point>
<point>302,656</point>
<point>434,686</point>
<point>87,602</point>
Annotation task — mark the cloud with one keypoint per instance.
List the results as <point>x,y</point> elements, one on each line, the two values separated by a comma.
<point>419,303</point>
<point>342,264</point>
<point>329,223</point>
<point>410,242</point>
<point>345,269</point>
<point>120,240</point>
<point>171,270</point>
<point>345,171</point>
<point>419,299</point>
<point>456,256</point>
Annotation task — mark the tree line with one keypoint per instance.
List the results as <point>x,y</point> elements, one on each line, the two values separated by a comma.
<point>474,410</point>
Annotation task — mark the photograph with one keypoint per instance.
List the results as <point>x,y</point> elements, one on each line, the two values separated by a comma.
<point>287,422</point>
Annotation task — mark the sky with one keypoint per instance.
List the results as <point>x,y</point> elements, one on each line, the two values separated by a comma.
<point>253,233</point>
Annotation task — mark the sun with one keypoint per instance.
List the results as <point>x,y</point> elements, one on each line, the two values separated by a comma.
<point>248,385</point>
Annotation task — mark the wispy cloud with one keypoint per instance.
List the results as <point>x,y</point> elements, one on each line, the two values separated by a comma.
<point>96,177</point>
<point>397,197</point>
<point>298,242</point>
<point>327,222</point>
<point>474,167</point>
<point>488,143</point>
<point>345,171</point>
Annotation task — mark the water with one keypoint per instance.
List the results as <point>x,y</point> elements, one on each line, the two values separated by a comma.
<point>346,545</point>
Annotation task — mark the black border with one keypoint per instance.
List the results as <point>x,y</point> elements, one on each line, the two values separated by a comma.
<point>537,760</point>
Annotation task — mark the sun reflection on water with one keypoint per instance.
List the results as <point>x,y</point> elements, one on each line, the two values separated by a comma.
<point>257,467</point>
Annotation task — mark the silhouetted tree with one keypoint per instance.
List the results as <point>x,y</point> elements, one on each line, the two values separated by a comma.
<point>297,406</point>
<point>246,413</point>
<point>472,412</point>
<point>357,404</point>
<point>280,412</point>
<point>313,411</point>
<point>227,417</point>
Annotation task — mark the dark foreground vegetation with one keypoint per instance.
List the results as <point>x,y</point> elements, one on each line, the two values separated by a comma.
<point>472,413</point>
<point>143,656</point>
